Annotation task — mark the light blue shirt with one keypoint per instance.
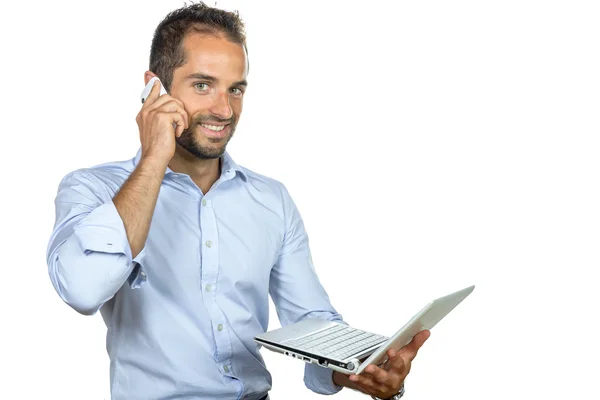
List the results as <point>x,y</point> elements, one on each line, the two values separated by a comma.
<point>182,315</point>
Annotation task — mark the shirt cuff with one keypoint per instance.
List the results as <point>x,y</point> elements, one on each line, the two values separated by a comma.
<point>320,379</point>
<point>138,276</point>
<point>103,231</point>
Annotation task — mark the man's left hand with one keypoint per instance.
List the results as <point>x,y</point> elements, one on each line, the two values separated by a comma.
<point>384,382</point>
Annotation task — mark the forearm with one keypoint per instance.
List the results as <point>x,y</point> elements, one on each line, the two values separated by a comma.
<point>136,200</point>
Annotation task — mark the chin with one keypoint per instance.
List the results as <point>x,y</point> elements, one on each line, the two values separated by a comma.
<point>207,152</point>
<point>203,147</point>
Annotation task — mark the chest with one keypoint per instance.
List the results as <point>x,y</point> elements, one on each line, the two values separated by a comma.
<point>227,241</point>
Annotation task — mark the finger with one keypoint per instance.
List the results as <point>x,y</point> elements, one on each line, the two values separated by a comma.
<point>391,354</point>
<point>368,382</point>
<point>392,361</point>
<point>181,124</point>
<point>410,350</point>
<point>394,356</point>
<point>168,97</point>
<point>170,106</point>
<point>174,118</point>
<point>175,107</point>
<point>163,100</point>
<point>179,102</point>
<point>399,365</point>
<point>186,119</point>
<point>378,374</point>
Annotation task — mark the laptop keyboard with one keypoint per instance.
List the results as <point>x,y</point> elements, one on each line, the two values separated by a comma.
<point>337,342</point>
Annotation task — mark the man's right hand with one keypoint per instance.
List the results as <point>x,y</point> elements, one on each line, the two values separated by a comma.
<point>156,120</point>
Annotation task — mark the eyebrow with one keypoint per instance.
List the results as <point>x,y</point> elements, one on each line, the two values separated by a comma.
<point>213,79</point>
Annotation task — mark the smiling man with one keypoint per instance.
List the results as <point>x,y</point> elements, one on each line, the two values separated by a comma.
<point>180,247</point>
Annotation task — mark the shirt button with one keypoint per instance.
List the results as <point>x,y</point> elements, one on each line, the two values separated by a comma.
<point>203,202</point>
<point>208,244</point>
<point>143,274</point>
<point>220,327</point>
<point>208,288</point>
<point>225,368</point>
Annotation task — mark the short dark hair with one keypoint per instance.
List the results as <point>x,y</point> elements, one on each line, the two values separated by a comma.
<point>167,52</point>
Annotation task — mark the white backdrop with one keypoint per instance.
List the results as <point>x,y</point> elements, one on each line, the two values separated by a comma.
<point>429,145</point>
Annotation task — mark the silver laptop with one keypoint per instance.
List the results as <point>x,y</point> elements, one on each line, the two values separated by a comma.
<point>349,350</point>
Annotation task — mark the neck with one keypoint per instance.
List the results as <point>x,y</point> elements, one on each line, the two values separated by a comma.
<point>204,173</point>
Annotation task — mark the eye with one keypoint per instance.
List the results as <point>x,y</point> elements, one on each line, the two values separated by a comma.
<point>201,86</point>
<point>237,91</point>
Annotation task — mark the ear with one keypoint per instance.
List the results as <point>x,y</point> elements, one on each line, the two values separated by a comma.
<point>147,76</point>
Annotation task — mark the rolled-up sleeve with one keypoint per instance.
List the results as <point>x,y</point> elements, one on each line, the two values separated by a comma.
<point>89,257</point>
<point>297,292</point>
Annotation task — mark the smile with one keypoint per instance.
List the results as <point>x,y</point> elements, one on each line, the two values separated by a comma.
<point>214,127</point>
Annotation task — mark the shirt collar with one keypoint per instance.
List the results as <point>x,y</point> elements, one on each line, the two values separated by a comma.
<point>229,168</point>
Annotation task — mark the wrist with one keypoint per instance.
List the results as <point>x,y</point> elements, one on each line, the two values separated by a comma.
<point>335,377</point>
<point>397,396</point>
<point>153,163</point>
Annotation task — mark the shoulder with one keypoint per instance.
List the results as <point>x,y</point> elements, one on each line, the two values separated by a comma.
<point>103,180</point>
<point>273,194</point>
<point>264,184</point>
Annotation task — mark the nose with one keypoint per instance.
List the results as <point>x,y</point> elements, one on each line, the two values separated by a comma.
<point>221,106</point>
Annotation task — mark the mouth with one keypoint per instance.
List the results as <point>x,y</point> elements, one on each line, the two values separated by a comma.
<point>215,131</point>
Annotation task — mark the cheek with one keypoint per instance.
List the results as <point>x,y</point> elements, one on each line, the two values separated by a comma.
<point>237,106</point>
<point>195,106</point>
<point>196,113</point>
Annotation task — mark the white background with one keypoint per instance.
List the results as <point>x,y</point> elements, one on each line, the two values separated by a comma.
<point>429,145</point>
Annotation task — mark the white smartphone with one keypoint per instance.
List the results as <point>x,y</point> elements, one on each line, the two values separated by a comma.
<point>148,88</point>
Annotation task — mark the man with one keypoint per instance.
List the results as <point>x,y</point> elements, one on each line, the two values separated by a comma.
<point>180,247</point>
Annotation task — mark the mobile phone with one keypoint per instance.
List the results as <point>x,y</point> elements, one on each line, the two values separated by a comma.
<point>148,88</point>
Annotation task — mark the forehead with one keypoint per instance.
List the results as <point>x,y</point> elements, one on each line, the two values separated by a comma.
<point>215,56</point>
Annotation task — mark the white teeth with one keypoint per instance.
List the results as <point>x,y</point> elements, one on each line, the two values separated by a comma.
<point>214,128</point>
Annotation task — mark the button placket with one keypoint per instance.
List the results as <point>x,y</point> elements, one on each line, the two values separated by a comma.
<point>210,261</point>
<point>209,247</point>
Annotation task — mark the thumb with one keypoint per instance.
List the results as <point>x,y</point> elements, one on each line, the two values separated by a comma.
<point>410,350</point>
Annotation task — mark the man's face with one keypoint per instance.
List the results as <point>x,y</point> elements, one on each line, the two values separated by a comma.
<point>211,85</point>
